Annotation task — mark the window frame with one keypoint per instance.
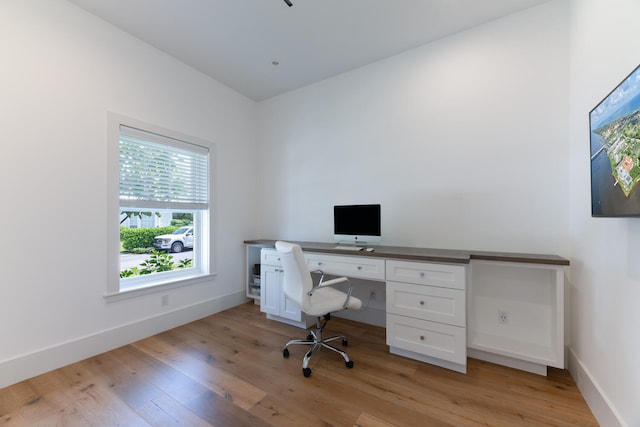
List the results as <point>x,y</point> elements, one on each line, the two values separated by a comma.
<point>167,280</point>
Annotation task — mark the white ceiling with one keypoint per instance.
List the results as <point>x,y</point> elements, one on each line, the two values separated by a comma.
<point>236,41</point>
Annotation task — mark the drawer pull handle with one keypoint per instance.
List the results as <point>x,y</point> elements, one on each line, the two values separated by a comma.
<point>319,263</point>
<point>359,268</point>
<point>421,337</point>
<point>422,274</point>
<point>421,302</point>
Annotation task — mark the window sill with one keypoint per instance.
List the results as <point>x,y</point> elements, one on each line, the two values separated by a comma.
<point>157,287</point>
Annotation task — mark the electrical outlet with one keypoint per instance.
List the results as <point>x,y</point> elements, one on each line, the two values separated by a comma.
<point>503,317</point>
<point>164,300</point>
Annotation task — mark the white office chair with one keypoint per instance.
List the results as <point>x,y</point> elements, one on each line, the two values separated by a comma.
<point>319,301</point>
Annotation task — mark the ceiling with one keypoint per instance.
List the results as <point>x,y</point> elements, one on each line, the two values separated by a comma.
<point>237,42</point>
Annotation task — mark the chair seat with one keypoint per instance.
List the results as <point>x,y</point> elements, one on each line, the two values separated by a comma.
<point>327,300</point>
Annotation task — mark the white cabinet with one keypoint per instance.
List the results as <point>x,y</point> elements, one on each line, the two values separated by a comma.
<point>503,308</point>
<point>426,312</point>
<point>273,301</point>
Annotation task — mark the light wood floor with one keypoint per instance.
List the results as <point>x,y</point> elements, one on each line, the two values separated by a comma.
<point>228,370</point>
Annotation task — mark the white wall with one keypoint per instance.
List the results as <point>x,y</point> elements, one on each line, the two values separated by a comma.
<point>605,252</point>
<point>462,141</point>
<point>62,70</point>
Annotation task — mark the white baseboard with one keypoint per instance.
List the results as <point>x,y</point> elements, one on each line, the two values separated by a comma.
<point>44,360</point>
<point>601,407</point>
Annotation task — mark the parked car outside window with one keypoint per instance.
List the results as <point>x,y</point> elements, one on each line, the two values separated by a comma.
<point>175,242</point>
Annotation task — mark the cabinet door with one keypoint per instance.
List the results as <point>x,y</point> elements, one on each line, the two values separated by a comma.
<point>290,309</point>
<point>270,289</point>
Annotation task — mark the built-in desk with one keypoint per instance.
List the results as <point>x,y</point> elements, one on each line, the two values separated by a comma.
<point>440,305</point>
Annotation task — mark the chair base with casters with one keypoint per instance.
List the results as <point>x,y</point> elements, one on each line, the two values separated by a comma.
<point>315,340</point>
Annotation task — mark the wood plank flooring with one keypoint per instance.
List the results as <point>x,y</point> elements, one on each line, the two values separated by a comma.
<point>228,370</point>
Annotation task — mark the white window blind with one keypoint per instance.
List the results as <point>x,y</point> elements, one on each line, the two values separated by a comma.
<point>161,172</point>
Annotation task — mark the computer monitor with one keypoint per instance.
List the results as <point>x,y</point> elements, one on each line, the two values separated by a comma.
<point>356,223</point>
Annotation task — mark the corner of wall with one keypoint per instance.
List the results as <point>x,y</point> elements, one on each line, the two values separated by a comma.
<point>601,407</point>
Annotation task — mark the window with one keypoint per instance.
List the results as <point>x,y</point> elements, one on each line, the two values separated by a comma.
<point>159,207</point>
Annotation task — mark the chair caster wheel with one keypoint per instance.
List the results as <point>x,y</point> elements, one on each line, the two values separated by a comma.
<point>309,337</point>
<point>349,364</point>
<point>306,371</point>
<point>345,343</point>
<point>285,353</point>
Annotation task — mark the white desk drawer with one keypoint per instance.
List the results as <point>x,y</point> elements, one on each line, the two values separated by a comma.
<point>422,273</point>
<point>433,339</point>
<point>357,267</point>
<point>270,257</point>
<point>427,303</point>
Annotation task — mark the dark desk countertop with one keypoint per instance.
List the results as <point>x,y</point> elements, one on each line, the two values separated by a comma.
<point>424,254</point>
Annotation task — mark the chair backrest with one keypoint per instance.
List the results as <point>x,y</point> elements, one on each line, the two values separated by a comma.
<point>297,280</point>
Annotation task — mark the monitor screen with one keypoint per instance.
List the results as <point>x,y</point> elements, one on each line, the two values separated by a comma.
<point>615,151</point>
<point>356,223</point>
